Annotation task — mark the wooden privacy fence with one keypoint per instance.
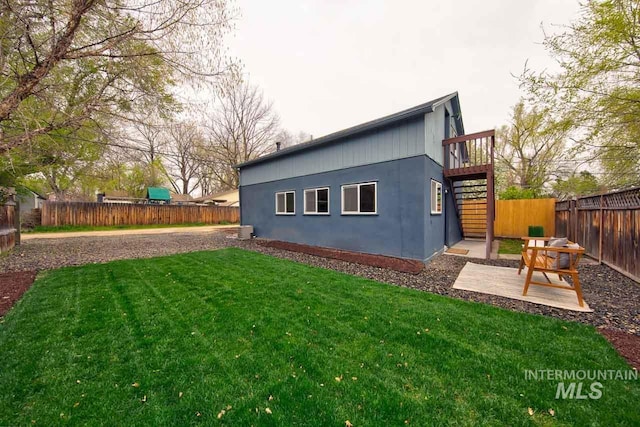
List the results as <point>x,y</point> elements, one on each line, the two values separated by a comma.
<point>513,217</point>
<point>105,214</point>
<point>607,226</point>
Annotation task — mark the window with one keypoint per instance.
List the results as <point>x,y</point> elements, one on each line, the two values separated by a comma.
<point>286,203</point>
<point>316,201</point>
<point>436,197</point>
<point>360,198</point>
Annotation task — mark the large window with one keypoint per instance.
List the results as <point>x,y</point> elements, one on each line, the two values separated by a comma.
<point>436,197</point>
<point>286,203</point>
<point>316,201</point>
<point>360,199</point>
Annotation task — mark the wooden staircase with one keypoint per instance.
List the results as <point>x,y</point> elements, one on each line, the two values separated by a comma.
<point>471,201</point>
<point>468,166</point>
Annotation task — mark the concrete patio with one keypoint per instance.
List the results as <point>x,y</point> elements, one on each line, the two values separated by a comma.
<point>472,248</point>
<point>505,282</point>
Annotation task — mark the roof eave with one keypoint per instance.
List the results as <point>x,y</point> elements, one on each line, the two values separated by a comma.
<point>428,107</point>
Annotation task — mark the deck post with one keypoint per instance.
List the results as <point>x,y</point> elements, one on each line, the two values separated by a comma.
<point>491,203</point>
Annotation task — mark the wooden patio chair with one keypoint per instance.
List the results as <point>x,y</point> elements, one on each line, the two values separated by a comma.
<point>552,259</point>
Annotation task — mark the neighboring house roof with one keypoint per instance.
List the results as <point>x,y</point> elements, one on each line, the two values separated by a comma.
<point>35,193</point>
<point>418,110</point>
<point>221,197</point>
<point>204,199</point>
<point>158,193</point>
<point>181,198</point>
<point>117,194</point>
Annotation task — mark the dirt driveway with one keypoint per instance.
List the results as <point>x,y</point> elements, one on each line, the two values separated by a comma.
<point>64,249</point>
<point>129,232</point>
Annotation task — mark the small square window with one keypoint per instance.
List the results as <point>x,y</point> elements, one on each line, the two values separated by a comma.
<point>360,198</point>
<point>436,197</point>
<point>286,203</point>
<point>316,201</point>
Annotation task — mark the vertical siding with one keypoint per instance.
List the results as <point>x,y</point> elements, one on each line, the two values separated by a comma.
<point>434,134</point>
<point>401,140</point>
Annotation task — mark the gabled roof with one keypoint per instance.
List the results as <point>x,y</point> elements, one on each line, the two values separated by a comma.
<point>221,196</point>
<point>175,197</point>
<point>158,193</point>
<point>418,110</point>
<point>35,193</point>
<point>116,194</point>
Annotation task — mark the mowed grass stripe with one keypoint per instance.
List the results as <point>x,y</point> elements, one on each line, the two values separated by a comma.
<point>232,328</point>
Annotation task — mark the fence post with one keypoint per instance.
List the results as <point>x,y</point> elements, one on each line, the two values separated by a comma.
<point>16,221</point>
<point>573,220</point>
<point>14,204</point>
<point>600,229</point>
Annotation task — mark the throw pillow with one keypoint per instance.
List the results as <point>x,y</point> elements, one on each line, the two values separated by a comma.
<point>556,242</point>
<point>563,259</point>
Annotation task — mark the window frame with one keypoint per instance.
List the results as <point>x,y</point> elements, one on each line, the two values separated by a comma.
<point>431,198</point>
<point>285,192</point>
<point>316,189</point>
<point>358,185</point>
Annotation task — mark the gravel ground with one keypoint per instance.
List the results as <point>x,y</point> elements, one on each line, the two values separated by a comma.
<point>614,298</point>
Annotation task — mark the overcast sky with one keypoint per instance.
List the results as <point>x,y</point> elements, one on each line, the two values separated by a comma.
<point>329,64</point>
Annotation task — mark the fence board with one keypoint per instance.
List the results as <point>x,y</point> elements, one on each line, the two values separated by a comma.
<point>110,214</point>
<point>607,226</point>
<point>513,217</point>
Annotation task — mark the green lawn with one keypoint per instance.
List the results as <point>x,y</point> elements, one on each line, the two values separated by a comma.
<point>510,246</point>
<point>66,228</point>
<point>177,340</point>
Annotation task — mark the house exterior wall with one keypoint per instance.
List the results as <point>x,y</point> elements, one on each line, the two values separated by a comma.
<point>396,230</point>
<point>453,229</point>
<point>400,140</point>
<point>28,202</point>
<point>434,134</point>
<point>435,130</point>
<point>434,229</point>
<point>403,226</point>
<point>232,198</point>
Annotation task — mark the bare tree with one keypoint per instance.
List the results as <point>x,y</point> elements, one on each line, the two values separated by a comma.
<point>243,127</point>
<point>289,139</point>
<point>184,143</point>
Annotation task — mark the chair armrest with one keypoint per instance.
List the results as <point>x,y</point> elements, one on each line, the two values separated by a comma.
<point>528,239</point>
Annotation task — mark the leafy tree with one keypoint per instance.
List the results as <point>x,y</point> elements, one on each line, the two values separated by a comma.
<point>597,85</point>
<point>72,73</point>
<point>61,162</point>
<point>122,169</point>
<point>529,149</point>
<point>582,184</point>
<point>64,63</point>
<point>514,193</point>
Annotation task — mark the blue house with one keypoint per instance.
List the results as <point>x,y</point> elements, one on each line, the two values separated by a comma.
<point>396,186</point>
